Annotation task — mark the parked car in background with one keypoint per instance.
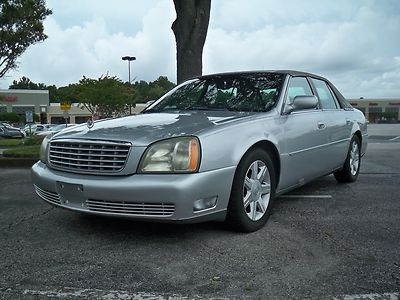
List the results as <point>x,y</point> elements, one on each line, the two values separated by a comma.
<point>29,128</point>
<point>33,128</point>
<point>217,147</point>
<point>54,129</point>
<point>7,131</point>
<point>44,127</point>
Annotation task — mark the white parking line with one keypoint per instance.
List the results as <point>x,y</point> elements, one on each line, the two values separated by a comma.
<point>396,138</point>
<point>384,296</point>
<point>307,196</point>
<point>99,294</point>
<point>67,293</point>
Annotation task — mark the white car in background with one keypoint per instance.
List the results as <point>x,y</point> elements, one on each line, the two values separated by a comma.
<point>54,129</point>
<point>32,128</point>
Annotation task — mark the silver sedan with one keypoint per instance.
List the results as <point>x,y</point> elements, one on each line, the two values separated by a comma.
<point>217,147</point>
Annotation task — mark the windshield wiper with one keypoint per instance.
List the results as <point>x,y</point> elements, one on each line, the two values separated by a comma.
<point>205,108</point>
<point>154,110</point>
<point>196,108</point>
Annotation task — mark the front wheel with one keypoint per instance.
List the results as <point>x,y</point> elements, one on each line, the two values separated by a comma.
<point>252,193</point>
<point>351,167</point>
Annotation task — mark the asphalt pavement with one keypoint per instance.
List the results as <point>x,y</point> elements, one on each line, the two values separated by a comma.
<point>323,241</point>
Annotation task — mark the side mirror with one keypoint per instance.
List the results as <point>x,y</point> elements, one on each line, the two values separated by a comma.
<point>300,103</point>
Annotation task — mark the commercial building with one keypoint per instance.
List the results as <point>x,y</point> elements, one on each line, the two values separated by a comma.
<point>75,115</point>
<point>21,101</point>
<point>37,101</point>
<point>378,109</point>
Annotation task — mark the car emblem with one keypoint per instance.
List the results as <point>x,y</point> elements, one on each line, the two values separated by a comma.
<point>90,123</point>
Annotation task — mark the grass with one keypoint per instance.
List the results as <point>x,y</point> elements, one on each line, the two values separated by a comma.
<point>31,151</point>
<point>33,140</point>
<point>10,142</point>
<point>26,148</point>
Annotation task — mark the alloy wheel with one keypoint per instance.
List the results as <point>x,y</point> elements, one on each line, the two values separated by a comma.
<point>256,190</point>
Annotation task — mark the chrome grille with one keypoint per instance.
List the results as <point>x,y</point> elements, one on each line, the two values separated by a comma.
<point>48,196</point>
<point>88,156</point>
<point>130,208</point>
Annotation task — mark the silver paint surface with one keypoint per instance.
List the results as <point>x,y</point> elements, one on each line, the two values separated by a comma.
<point>310,144</point>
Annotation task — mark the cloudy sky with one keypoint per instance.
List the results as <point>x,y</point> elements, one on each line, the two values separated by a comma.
<point>356,44</point>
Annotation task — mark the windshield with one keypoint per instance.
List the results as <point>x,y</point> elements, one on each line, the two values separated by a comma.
<point>243,92</point>
<point>58,127</point>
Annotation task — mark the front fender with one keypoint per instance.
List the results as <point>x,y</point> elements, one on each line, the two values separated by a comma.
<point>236,140</point>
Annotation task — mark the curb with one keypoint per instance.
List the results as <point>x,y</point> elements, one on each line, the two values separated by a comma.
<point>17,162</point>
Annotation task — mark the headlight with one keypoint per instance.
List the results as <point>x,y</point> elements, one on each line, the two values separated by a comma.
<point>176,155</point>
<point>43,148</point>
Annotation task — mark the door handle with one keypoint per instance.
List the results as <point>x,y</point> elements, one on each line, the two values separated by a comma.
<point>321,125</point>
<point>348,122</point>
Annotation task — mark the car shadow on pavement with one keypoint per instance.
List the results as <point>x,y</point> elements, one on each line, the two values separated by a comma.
<point>126,228</point>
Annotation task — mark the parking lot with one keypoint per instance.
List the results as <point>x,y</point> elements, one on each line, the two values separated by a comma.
<point>323,241</point>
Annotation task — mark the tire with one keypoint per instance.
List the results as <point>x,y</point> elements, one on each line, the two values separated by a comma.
<point>351,167</point>
<point>252,192</point>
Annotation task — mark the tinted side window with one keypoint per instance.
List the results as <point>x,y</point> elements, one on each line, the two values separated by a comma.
<point>325,96</point>
<point>298,86</point>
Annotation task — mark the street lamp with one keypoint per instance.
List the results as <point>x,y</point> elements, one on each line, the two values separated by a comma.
<point>129,59</point>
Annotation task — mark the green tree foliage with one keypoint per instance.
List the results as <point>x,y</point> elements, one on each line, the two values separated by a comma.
<point>104,97</point>
<point>164,83</point>
<point>21,25</point>
<point>152,90</point>
<point>54,95</point>
<point>389,115</point>
<point>11,117</point>
<point>24,83</point>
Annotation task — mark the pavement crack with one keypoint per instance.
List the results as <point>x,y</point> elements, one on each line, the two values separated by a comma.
<point>28,218</point>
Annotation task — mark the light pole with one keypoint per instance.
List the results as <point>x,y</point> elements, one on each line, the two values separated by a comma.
<point>129,59</point>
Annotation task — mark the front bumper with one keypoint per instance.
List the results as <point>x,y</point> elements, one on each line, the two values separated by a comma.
<point>156,197</point>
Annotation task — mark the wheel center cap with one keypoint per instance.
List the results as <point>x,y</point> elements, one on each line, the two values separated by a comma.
<point>256,190</point>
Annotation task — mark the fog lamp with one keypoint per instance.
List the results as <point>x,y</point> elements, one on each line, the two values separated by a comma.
<point>202,204</point>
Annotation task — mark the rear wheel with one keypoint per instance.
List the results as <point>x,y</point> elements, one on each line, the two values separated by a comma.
<point>252,193</point>
<point>351,167</point>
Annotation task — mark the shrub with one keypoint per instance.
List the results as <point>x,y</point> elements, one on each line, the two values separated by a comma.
<point>25,151</point>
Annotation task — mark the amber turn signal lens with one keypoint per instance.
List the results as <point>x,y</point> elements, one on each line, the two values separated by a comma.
<point>194,155</point>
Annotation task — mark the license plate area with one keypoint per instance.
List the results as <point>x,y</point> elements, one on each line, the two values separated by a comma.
<point>71,194</point>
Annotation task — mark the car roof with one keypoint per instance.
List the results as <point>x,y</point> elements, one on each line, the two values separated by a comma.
<point>285,72</point>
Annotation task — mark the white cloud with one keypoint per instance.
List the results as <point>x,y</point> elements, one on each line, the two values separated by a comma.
<point>354,43</point>
<point>354,49</point>
<point>122,15</point>
<point>91,50</point>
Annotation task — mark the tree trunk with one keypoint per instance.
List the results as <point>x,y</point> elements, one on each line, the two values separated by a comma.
<point>190,29</point>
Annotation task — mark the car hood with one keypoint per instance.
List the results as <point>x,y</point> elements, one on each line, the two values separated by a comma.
<point>144,129</point>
